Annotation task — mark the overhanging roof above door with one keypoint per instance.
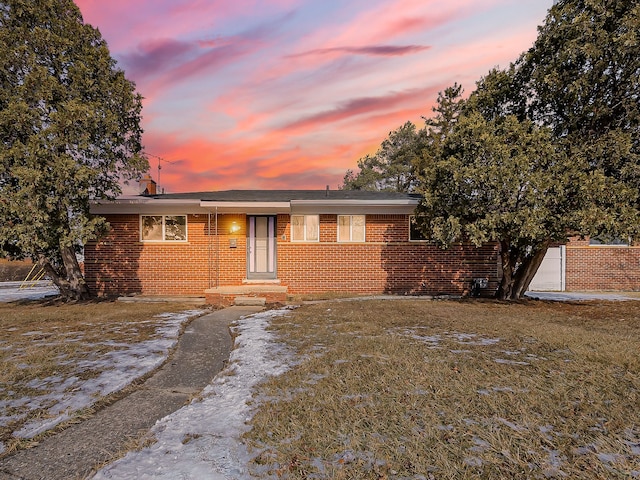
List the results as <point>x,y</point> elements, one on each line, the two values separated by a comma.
<point>249,208</point>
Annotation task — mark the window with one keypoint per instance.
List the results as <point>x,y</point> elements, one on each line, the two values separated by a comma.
<point>305,228</point>
<point>351,228</point>
<point>608,241</point>
<point>163,228</point>
<point>415,234</point>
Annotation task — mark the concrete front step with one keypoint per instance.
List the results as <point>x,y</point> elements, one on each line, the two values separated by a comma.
<point>243,301</point>
<point>248,289</point>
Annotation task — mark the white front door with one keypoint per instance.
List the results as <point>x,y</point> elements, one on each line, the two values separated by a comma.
<point>261,247</point>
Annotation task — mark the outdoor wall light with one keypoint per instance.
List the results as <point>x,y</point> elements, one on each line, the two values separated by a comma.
<point>234,228</point>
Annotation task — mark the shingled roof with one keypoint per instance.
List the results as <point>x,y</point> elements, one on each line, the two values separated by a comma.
<point>285,195</point>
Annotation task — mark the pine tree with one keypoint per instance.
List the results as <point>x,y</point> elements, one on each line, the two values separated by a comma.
<point>499,179</point>
<point>546,149</point>
<point>70,130</point>
<point>392,167</point>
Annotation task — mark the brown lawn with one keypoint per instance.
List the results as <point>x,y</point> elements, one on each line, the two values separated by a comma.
<point>454,390</point>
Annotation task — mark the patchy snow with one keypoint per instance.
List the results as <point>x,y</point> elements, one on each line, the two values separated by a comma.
<point>63,396</point>
<point>11,291</point>
<point>506,361</point>
<point>433,341</point>
<point>579,296</point>
<point>202,440</point>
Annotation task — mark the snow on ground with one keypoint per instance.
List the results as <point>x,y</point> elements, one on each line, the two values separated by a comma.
<point>11,291</point>
<point>202,440</point>
<point>63,396</point>
<point>578,296</point>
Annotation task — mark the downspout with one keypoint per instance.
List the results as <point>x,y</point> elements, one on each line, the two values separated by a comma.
<point>217,252</point>
<point>210,247</point>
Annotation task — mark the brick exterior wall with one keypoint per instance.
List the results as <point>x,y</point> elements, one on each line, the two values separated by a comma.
<point>597,267</point>
<point>385,263</point>
<point>121,264</point>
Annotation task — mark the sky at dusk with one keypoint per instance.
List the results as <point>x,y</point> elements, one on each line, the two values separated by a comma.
<point>272,94</point>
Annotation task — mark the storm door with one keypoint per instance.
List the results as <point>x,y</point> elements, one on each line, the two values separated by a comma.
<point>261,247</point>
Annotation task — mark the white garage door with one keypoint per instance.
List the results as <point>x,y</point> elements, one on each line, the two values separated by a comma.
<point>550,275</point>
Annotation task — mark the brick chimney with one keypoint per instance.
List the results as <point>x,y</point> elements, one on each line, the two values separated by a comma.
<point>147,185</point>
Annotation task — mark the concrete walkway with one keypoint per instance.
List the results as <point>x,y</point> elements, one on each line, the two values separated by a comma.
<point>76,452</point>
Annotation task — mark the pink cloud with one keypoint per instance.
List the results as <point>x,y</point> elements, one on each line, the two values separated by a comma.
<point>375,50</point>
<point>153,57</point>
<point>384,23</point>
<point>361,106</point>
<point>275,159</point>
<point>387,21</point>
<point>269,161</point>
<point>291,93</point>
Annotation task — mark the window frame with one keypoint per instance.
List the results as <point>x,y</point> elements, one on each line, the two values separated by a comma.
<point>351,240</point>
<point>304,229</point>
<point>411,230</point>
<point>164,229</point>
<point>614,242</point>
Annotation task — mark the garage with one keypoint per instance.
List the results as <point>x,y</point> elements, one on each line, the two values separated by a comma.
<point>550,276</point>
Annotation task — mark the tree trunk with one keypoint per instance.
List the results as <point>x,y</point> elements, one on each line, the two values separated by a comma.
<point>528,270</point>
<point>78,287</point>
<point>54,275</point>
<point>508,264</point>
<point>69,281</point>
<point>518,270</point>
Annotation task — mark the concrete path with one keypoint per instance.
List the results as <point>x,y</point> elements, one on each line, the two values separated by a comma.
<point>76,452</point>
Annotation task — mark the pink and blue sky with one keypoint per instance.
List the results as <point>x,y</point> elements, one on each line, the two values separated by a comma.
<point>272,94</point>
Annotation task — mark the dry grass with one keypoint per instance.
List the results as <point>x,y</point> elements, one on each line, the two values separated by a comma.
<point>14,271</point>
<point>316,297</point>
<point>40,341</point>
<point>434,389</point>
<point>632,294</point>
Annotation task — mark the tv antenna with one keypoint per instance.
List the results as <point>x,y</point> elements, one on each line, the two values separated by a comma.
<point>160,160</point>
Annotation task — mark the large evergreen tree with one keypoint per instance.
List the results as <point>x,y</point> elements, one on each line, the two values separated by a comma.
<point>69,131</point>
<point>581,78</point>
<point>541,151</point>
<point>581,81</point>
<point>499,179</point>
<point>392,167</point>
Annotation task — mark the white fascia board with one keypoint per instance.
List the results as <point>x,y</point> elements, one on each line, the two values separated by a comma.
<point>357,207</point>
<point>149,205</point>
<point>249,208</point>
<point>145,205</point>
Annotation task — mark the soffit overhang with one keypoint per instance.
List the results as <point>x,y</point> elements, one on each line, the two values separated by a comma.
<point>145,205</point>
<point>150,205</point>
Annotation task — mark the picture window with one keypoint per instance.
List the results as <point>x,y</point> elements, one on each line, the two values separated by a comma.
<point>163,228</point>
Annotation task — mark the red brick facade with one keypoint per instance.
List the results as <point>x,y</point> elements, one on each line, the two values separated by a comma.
<point>387,262</point>
<point>602,267</point>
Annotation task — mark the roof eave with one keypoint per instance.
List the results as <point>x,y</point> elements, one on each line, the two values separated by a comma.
<point>404,206</point>
<point>151,205</point>
<point>246,207</point>
<point>140,204</point>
